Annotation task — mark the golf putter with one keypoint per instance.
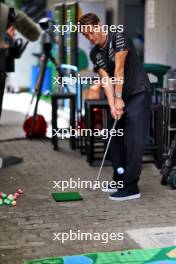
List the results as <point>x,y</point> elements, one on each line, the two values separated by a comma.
<point>107,147</point>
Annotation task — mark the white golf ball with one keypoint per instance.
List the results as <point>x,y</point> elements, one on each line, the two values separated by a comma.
<point>120,170</point>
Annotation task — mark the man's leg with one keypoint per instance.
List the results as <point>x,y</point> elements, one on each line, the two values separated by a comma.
<point>136,131</point>
<point>116,147</point>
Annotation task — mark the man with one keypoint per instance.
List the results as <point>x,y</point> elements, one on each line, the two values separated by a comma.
<point>114,55</point>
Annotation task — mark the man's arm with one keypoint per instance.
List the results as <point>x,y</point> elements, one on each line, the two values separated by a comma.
<point>109,91</point>
<point>120,58</point>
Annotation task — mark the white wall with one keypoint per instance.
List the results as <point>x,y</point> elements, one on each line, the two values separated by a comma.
<point>160,41</point>
<point>24,65</point>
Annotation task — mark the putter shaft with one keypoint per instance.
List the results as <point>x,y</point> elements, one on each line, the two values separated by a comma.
<point>107,147</point>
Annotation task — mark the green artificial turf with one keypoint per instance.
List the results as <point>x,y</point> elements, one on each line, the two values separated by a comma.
<point>67,196</point>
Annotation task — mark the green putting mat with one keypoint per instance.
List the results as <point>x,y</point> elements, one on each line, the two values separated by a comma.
<point>67,196</point>
<point>140,256</point>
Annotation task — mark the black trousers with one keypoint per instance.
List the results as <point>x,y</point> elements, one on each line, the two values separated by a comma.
<point>126,151</point>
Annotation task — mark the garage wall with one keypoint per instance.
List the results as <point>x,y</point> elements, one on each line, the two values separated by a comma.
<point>109,5</point>
<point>160,33</point>
<point>112,5</point>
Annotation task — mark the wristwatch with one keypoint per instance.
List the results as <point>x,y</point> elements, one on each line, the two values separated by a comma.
<point>118,94</point>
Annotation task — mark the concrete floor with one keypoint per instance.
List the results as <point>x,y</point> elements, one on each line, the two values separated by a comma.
<point>27,230</point>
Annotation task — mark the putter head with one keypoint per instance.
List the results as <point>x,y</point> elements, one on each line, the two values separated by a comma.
<point>94,188</point>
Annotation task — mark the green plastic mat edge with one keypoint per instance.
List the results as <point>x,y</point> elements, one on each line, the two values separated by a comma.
<point>143,252</point>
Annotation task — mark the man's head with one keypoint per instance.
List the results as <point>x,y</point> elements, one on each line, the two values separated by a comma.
<point>91,27</point>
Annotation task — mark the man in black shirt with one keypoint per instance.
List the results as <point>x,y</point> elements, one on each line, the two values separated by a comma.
<point>114,55</point>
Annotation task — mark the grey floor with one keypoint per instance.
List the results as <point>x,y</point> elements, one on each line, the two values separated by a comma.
<point>26,231</point>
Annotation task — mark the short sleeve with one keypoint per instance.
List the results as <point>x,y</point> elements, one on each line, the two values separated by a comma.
<point>121,42</point>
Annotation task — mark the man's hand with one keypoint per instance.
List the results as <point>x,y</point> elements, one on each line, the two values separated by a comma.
<point>116,114</point>
<point>116,104</point>
<point>11,32</point>
<point>119,107</point>
<point>119,103</point>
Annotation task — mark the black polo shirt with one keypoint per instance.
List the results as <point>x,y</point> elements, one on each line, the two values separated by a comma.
<point>135,77</point>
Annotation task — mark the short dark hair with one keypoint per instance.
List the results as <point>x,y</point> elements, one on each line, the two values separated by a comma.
<point>89,19</point>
